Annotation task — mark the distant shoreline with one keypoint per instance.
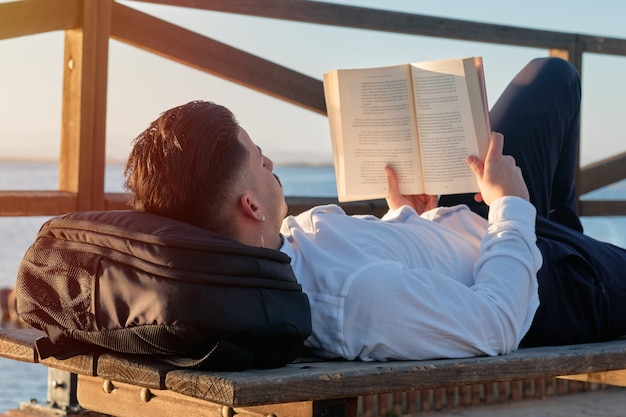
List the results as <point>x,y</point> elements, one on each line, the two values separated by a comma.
<point>323,164</point>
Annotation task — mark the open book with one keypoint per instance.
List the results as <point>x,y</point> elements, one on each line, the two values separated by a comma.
<point>423,119</point>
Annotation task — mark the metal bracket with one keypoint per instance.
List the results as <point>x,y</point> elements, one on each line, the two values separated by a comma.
<point>62,399</point>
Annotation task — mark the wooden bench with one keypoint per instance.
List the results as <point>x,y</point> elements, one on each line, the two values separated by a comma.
<point>122,385</point>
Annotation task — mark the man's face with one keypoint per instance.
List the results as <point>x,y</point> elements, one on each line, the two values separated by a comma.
<point>265,184</point>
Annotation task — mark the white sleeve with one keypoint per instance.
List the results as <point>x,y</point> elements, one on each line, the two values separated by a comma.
<point>422,314</point>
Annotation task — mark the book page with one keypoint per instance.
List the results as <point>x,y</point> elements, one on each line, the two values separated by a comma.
<point>372,126</point>
<point>477,91</point>
<point>331,94</point>
<point>446,125</point>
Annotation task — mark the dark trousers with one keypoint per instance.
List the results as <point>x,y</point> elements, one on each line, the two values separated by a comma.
<point>582,283</point>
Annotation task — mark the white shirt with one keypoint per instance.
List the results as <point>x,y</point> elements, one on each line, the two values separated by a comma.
<point>444,284</point>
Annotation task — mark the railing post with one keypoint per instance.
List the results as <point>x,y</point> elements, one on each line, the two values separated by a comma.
<point>574,54</point>
<point>82,159</point>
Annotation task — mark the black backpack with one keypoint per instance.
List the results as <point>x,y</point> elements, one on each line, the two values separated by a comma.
<point>137,283</point>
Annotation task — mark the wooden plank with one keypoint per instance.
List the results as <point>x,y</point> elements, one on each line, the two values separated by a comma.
<point>382,20</point>
<point>79,364</point>
<point>379,207</point>
<point>121,399</point>
<point>602,208</point>
<point>127,400</point>
<point>49,203</point>
<point>205,54</point>
<point>597,175</point>
<point>42,203</point>
<point>21,18</point>
<point>603,45</point>
<point>116,201</point>
<point>388,21</point>
<point>119,201</point>
<point>19,344</point>
<point>8,305</point>
<point>615,378</point>
<point>71,116</point>
<point>602,173</point>
<point>559,53</point>
<point>36,203</point>
<point>327,380</point>
<point>376,207</point>
<point>135,370</point>
<point>82,159</point>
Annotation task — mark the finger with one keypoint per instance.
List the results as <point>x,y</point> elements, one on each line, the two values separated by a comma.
<point>509,160</point>
<point>496,145</point>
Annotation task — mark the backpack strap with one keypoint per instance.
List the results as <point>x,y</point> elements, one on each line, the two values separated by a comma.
<point>45,348</point>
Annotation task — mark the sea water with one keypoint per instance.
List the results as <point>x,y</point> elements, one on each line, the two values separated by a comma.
<point>21,382</point>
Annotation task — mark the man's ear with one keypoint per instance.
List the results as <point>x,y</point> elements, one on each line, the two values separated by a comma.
<point>250,208</point>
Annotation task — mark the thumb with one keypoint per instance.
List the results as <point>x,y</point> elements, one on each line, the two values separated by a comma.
<point>478,168</point>
<point>392,179</point>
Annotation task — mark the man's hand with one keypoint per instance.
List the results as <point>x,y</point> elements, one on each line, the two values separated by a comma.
<point>497,176</point>
<point>419,202</point>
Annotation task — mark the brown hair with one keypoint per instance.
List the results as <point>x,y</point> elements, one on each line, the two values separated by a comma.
<point>187,165</point>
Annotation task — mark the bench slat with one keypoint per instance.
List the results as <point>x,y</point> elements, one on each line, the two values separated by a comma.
<point>327,380</point>
<point>120,400</point>
<point>19,343</point>
<point>126,400</point>
<point>133,370</point>
<point>79,364</point>
<point>615,378</point>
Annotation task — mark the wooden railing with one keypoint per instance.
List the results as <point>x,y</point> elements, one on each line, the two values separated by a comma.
<point>89,24</point>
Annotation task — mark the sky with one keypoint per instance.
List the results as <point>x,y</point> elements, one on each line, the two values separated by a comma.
<point>142,85</point>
